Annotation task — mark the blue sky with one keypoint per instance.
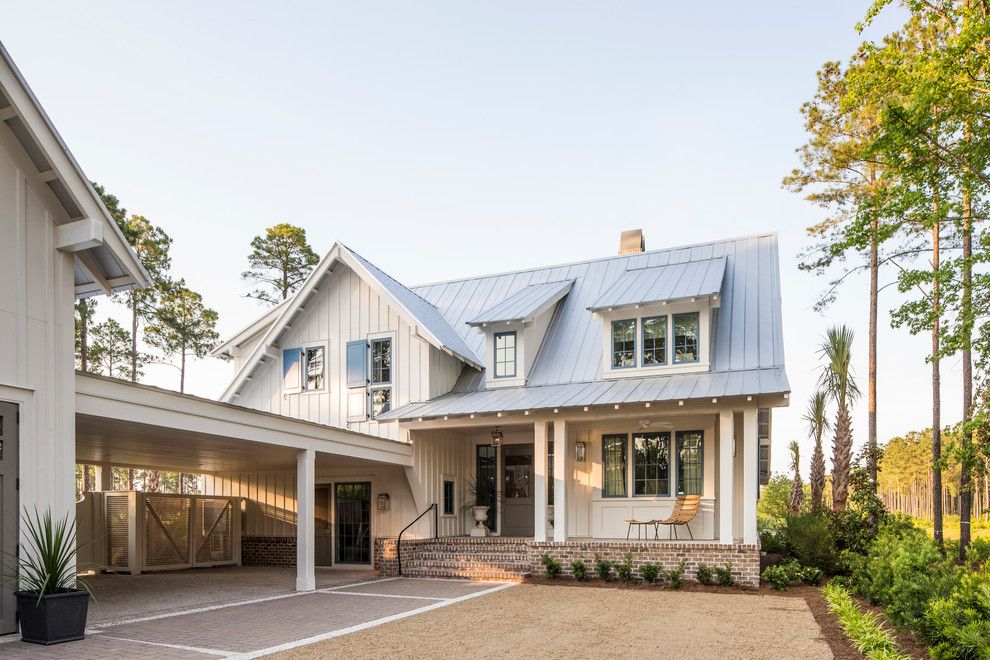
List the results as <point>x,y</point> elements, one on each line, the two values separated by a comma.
<point>443,139</point>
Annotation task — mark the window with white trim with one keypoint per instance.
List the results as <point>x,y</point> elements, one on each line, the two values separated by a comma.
<point>505,354</point>
<point>380,395</point>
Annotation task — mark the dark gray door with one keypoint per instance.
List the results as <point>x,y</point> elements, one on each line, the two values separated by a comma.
<point>352,522</point>
<point>517,490</point>
<point>324,547</point>
<point>487,475</point>
<point>8,512</point>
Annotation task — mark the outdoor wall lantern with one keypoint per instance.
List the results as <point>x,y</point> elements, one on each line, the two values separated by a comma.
<point>383,501</point>
<point>579,452</point>
<point>497,437</point>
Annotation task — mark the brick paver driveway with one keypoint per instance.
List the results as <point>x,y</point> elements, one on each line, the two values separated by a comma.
<point>255,627</point>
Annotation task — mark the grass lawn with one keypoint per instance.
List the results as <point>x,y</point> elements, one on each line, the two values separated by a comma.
<point>581,622</point>
<point>950,528</point>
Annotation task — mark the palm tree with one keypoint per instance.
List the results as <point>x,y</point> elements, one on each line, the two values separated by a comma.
<point>797,488</point>
<point>837,381</point>
<point>817,425</point>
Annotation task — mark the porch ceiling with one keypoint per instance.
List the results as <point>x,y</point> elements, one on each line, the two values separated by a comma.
<point>127,424</point>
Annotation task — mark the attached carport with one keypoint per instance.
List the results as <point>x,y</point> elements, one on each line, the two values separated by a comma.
<point>125,424</point>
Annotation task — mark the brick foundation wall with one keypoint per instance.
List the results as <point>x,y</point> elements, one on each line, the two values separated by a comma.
<point>745,559</point>
<point>268,550</point>
<point>468,552</point>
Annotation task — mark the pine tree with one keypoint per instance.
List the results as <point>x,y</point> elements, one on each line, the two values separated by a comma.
<point>110,351</point>
<point>280,261</point>
<point>183,327</point>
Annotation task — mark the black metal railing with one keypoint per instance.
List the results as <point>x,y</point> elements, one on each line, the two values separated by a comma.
<point>398,543</point>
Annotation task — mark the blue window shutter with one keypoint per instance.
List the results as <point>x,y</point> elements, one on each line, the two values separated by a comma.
<point>291,369</point>
<point>357,363</point>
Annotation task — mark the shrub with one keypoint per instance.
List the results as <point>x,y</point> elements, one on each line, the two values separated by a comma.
<point>676,577</point>
<point>811,575</point>
<point>903,572</point>
<point>862,628</point>
<point>978,551</point>
<point>773,540</point>
<point>603,567</point>
<point>811,542</point>
<point>551,564</point>
<point>959,624</point>
<point>705,574</point>
<point>777,576</point>
<point>580,570</point>
<point>723,575</point>
<point>650,572</point>
<point>624,569</point>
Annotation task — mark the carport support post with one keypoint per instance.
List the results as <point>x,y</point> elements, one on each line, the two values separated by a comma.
<point>560,479</point>
<point>540,481</point>
<point>751,476</point>
<point>305,514</point>
<point>104,477</point>
<point>726,472</point>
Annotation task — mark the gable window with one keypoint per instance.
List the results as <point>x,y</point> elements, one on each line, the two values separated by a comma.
<point>315,368</point>
<point>614,465</point>
<point>381,377</point>
<point>505,354</point>
<point>651,464</point>
<point>291,370</point>
<point>624,344</point>
<point>690,462</point>
<point>654,341</point>
<point>685,338</point>
<point>448,497</point>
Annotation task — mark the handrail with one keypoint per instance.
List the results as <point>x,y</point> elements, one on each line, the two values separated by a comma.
<point>398,543</point>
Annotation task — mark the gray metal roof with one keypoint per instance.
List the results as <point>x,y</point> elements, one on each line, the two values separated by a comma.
<point>600,392</point>
<point>747,350</point>
<point>524,305</point>
<point>691,279</point>
<point>425,313</point>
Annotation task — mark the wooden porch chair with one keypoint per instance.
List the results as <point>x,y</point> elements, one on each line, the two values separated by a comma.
<point>685,508</point>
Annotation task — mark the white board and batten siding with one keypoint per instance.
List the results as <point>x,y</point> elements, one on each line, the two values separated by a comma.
<point>37,360</point>
<point>347,309</point>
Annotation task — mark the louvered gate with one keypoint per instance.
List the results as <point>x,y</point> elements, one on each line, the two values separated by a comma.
<point>153,532</point>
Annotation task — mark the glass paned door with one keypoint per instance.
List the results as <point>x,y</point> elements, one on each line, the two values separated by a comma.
<point>352,509</point>
<point>487,471</point>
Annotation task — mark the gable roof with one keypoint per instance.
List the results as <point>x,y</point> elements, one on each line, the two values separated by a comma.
<point>109,264</point>
<point>524,305</point>
<point>642,286</point>
<point>747,351</point>
<point>430,323</point>
<point>225,351</point>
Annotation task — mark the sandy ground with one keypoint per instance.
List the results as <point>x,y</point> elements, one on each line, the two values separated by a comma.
<point>572,622</point>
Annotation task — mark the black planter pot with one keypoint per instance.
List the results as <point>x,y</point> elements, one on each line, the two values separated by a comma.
<point>55,619</point>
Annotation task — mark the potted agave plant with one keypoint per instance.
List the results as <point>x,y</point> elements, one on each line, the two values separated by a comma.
<point>52,602</point>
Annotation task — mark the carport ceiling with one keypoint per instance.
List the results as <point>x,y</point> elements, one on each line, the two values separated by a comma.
<point>126,443</point>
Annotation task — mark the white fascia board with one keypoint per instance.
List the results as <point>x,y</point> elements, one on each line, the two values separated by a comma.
<point>262,323</point>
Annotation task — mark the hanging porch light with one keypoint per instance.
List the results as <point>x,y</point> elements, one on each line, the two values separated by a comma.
<point>497,437</point>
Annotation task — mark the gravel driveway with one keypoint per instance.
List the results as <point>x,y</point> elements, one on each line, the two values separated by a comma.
<point>586,622</point>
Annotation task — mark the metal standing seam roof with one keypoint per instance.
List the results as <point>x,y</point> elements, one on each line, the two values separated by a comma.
<point>636,286</point>
<point>524,305</point>
<point>747,352</point>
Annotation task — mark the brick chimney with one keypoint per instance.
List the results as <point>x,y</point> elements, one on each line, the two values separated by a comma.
<point>632,242</point>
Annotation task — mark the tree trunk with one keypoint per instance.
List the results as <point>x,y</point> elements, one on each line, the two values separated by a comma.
<point>182,372</point>
<point>965,486</point>
<point>817,475</point>
<point>841,458</point>
<point>87,482</point>
<point>130,478</point>
<point>84,335</point>
<point>871,458</point>
<point>936,388</point>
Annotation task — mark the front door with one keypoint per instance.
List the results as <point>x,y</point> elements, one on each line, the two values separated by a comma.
<point>8,512</point>
<point>517,490</point>
<point>352,522</point>
<point>486,468</point>
<point>323,545</point>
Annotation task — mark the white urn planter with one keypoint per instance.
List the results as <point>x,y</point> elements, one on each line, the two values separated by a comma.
<point>480,517</point>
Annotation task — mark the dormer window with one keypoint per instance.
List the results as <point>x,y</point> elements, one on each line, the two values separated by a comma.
<point>505,354</point>
<point>624,344</point>
<point>654,341</point>
<point>686,338</point>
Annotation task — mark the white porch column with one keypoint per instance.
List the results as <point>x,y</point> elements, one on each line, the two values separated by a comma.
<point>560,479</point>
<point>103,477</point>
<point>726,471</point>
<point>305,515</point>
<point>751,477</point>
<point>540,481</point>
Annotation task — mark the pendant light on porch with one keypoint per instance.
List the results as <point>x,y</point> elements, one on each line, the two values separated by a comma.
<point>497,437</point>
